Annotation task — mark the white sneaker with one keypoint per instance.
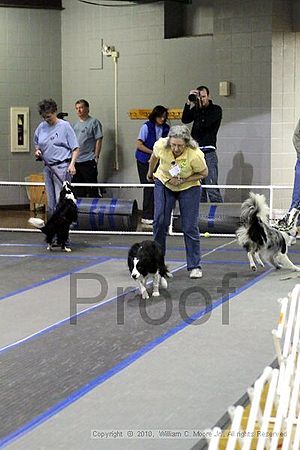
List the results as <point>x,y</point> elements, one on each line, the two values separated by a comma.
<point>196,273</point>
<point>147,221</point>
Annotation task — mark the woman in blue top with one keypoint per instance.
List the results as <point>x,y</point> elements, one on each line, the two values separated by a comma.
<point>155,128</point>
<point>56,144</point>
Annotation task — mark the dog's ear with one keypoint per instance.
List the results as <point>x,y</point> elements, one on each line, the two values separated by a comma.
<point>134,249</point>
<point>130,263</point>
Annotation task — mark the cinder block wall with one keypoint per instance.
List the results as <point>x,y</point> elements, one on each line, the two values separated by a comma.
<point>151,71</point>
<point>154,70</point>
<point>242,45</point>
<point>285,100</point>
<point>250,43</point>
<point>30,69</point>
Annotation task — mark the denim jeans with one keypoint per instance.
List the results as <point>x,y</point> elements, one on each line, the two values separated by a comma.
<point>148,196</point>
<point>296,191</point>
<point>189,200</point>
<point>212,178</point>
<point>53,185</point>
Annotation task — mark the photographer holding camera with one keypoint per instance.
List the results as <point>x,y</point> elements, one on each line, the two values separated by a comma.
<point>206,118</point>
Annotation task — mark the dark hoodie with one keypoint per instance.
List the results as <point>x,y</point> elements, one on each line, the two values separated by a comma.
<point>206,122</point>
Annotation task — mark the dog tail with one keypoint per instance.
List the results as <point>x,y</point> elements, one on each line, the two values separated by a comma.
<point>254,211</point>
<point>37,223</point>
<point>242,236</point>
<point>255,207</point>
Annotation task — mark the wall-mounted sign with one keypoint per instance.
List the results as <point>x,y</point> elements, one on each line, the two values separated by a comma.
<point>19,129</point>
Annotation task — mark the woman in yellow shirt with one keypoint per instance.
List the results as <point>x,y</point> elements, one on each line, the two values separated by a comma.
<point>181,167</point>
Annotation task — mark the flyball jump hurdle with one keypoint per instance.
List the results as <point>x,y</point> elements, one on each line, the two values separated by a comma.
<point>107,214</point>
<point>219,218</point>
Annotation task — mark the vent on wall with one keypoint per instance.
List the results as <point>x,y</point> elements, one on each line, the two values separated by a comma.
<point>42,4</point>
<point>113,3</point>
<point>185,20</point>
<point>296,15</point>
<point>153,1</point>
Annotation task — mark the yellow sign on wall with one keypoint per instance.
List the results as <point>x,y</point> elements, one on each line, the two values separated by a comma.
<point>142,114</point>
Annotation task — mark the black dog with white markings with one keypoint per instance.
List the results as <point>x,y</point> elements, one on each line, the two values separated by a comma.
<point>146,258</point>
<point>59,223</point>
<point>259,238</point>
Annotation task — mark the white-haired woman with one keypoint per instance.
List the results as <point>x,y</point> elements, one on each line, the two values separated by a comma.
<point>181,167</point>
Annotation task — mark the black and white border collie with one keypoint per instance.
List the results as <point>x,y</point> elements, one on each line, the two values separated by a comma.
<point>261,240</point>
<point>146,258</point>
<point>58,226</point>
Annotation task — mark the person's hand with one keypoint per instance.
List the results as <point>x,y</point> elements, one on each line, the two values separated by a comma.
<point>150,177</point>
<point>38,153</point>
<point>175,181</point>
<point>71,169</point>
<point>194,92</point>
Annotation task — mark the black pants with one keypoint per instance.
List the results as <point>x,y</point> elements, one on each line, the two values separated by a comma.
<point>86,172</point>
<point>148,196</point>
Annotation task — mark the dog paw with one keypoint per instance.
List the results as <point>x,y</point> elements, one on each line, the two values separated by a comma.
<point>145,295</point>
<point>155,294</point>
<point>253,268</point>
<point>169,275</point>
<point>66,249</point>
<point>49,247</point>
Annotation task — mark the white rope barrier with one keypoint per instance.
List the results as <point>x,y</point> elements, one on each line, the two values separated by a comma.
<point>34,230</point>
<point>139,185</point>
<point>269,188</point>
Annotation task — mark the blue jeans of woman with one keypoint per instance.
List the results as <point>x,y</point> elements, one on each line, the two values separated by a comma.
<point>189,200</point>
<point>296,191</point>
<point>148,197</point>
<point>212,178</point>
<point>53,184</point>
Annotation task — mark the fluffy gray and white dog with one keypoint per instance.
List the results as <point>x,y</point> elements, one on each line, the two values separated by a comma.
<point>262,241</point>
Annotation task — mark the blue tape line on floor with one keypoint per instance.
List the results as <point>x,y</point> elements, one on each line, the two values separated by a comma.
<point>100,260</point>
<point>120,366</point>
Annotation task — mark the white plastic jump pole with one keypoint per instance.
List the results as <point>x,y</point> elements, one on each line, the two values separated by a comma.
<point>278,333</point>
<point>236,414</point>
<point>255,412</point>
<point>268,410</point>
<point>214,441</point>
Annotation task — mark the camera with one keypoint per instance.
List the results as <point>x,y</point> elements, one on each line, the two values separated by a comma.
<point>61,115</point>
<point>193,98</point>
